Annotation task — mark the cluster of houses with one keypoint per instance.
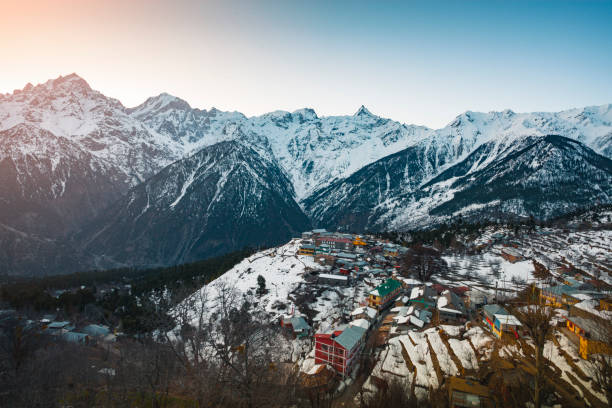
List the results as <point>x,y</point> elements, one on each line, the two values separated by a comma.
<point>400,305</point>
<point>89,334</point>
<point>394,307</point>
<point>62,330</point>
<point>589,314</point>
<point>346,256</point>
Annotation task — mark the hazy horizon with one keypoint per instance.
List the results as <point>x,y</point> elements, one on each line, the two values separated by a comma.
<point>418,63</point>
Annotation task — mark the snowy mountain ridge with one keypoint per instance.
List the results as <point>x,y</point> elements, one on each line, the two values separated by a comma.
<point>68,154</point>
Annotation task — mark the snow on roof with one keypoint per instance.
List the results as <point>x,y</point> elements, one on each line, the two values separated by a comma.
<point>447,310</point>
<point>416,321</point>
<point>416,292</point>
<point>368,311</point>
<point>508,319</point>
<point>590,306</point>
<point>328,276</point>
<point>363,323</point>
<point>402,319</point>
<point>442,301</point>
<point>409,281</point>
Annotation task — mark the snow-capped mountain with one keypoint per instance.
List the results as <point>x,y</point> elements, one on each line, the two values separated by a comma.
<point>68,154</point>
<point>223,198</point>
<point>530,176</point>
<point>67,107</point>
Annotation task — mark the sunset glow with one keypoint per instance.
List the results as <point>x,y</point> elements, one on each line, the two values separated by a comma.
<point>257,57</point>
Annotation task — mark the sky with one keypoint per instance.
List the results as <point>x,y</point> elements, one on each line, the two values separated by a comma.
<point>415,62</point>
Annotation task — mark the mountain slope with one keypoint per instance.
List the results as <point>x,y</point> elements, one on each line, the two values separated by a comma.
<point>539,176</point>
<point>224,197</point>
<point>68,153</point>
<point>544,177</point>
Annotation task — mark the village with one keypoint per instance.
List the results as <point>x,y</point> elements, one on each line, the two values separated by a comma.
<point>430,334</point>
<point>354,315</point>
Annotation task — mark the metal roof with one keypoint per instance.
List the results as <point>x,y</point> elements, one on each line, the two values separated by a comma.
<point>57,325</point>
<point>389,286</point>
<point>96,330</point>
<point>350,337</point>
<point>299,323</point>
<point>508,319</point>
<point>561,290</point>
<point>494,309</point>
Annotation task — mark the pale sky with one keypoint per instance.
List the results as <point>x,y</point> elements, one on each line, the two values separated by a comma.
<point>416,62</point>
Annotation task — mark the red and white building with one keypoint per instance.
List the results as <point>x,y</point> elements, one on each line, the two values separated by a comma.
<point>340,349</point>
<point>339,243</point>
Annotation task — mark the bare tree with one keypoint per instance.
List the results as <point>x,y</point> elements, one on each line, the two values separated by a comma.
<point>602,363</point>
<point>422,262</point>
<point>536,319</point>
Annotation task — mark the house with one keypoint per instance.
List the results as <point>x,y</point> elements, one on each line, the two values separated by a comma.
<point>96,330</point>
<point>489,312</point>
<point>559,295</point>
<point>391,251</point>
<point>475,299</point>
<point>364,312</point>
<point>333,279</point>
<point>325,259</point>
<point>306,249</point>
<point>297,324</point>
<point>340,349</point>
<point>359,242</point>
<point>307,235</point>
<point>424,315</point>
<point>384,294</point>
<point>499,320</point>
<point>594,337</point>
<point>363,323</point>
<point>468,393</point>
<point>423,297</point>
<point>511,255</point>
<point>74,337</point>
<point>347,257</point>
<point>506,323</point>
<point>450,306</point>
<point>408,283</point>
<point>416,321</point>
<point>57,328</point>
<point>322,249</point>
<point>334,242</point>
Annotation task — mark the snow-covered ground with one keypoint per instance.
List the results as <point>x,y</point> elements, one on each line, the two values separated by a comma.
<point>288,289</point>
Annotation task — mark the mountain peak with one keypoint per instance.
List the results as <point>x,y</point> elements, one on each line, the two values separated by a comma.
<point>363,111</point>
<point>72,81</point>
<point>160,103</point>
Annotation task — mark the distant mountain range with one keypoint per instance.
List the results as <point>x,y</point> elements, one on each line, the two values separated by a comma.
<point>87,183</point>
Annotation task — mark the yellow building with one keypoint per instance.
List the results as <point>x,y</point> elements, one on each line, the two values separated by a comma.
<point>308,250</point>
<point>594,339</point>
<point>380,297</point>
<point>558,296</point>
<point>359,242</point>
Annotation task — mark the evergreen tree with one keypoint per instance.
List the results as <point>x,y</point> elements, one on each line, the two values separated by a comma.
<point>261,282</point>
